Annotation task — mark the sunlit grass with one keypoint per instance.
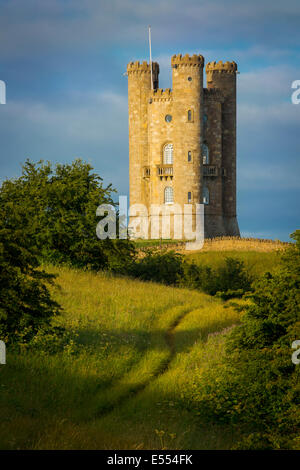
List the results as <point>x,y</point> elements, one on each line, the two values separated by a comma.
<point>116,386</point>
<point>256,262</point>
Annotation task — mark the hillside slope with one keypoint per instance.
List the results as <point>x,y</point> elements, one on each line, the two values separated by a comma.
<point>114,381</point>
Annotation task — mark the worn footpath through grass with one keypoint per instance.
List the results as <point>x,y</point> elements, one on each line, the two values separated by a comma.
<point>117,382</point>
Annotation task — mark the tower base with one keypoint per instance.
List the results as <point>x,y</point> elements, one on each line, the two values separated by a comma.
<point>220,226</point>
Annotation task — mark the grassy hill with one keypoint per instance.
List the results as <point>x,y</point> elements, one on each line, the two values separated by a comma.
<point>115,380</point>
<point>119,376</point>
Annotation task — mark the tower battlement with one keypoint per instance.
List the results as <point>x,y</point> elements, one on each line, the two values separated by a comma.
<point>222,67</point>
<point>161,95</point>
<point>144,67</point>
<point>183,61</point>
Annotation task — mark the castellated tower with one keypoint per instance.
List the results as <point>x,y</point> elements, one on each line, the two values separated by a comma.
<point>182,145</point>
<point>222,77</point>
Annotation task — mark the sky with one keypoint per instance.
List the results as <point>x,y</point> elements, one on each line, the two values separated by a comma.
<point>63,62</point>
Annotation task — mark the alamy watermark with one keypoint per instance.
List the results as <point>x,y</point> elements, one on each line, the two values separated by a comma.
<point>296,94</point>
<point>2,92</point>
<point>295,358</point>
<point>2,352</point>
<point>160,221</point>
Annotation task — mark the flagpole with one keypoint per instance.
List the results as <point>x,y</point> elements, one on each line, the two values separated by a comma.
<point>150,57</point>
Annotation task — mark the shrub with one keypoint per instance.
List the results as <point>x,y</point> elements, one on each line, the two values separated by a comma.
<point>25,301</point>
<point>165,267</point>
<point>257,385</point>
<point>56,209</point>
<point>228,281</point>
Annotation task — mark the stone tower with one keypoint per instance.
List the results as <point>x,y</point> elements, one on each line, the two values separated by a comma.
<point>182,144</point>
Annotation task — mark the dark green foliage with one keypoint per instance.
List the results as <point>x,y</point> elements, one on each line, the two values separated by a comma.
<point>25,302</point>
<point>165,267</point>
<point>56,210</point>
<point>227,281</point>
<point>257,384</point>
<point>49,215</point>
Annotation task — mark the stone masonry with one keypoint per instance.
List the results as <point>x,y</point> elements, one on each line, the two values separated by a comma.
<point>182,143</point>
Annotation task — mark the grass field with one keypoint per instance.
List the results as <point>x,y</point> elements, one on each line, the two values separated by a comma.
<point>217,244</point>
<point>256,262</point>
<point>116,382</point>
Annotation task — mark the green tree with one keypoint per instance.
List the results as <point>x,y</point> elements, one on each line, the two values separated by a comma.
<point>25,301</point>
<point>56,209</point>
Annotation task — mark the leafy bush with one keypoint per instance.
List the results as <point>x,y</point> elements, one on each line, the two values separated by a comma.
<point>256,385</point>
<point>56,209</point>
<point>165,267</point>
<point>55,339</point>
<point>25,301</point>
<point>227,281</point>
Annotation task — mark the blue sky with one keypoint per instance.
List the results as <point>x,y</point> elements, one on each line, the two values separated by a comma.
<point>63,63</point>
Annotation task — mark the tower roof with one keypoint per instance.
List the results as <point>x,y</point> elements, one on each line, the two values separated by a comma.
<point>187,60</point>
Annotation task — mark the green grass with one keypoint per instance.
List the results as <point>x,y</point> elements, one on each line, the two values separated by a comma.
<point>155,242</point>
<point>117,383</point>
<point>256,262</point>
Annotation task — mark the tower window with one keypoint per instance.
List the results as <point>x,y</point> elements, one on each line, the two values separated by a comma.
<point>189,197</point>
<point>205,195</point>
<point>204,119</point>
<point>190,115</point>
<point>168,118</point>
<point>205,154</point>
<point>168,154</point>
<point>189,156</point>
<point>190,79</point>
<point>169,197</point>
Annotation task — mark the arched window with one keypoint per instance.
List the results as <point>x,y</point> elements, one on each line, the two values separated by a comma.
<point>169,198</point>
<point>205,154</point>
<point>205,195</point>
<point>189,156</point>
<point>190,115</point>
<point>189,197</point>
<point>168,154</point>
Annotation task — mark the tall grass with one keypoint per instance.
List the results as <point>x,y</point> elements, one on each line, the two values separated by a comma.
<point>115,382</point>
<point>218,244</point>
<point>255,262</point>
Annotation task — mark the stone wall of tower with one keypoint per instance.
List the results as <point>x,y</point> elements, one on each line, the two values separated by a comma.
<point>212,137</point>
<point>222,76</point>
<point>160,133</point>
<point>139,86</point>
<point>187,79</point>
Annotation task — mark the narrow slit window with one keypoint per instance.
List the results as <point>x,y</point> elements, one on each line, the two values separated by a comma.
<point>168,154</point>
<point>189,197</point>
<point>205,195</point>
<point>205,154</point>
<point>190,115</point>
<point>189,156</point>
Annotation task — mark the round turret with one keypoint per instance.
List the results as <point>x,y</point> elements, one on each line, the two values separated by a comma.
<point>225,67</point>
<point>187,60</point>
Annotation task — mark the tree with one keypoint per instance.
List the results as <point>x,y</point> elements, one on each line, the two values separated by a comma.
<point>56,209</point>
<point>25,301</point>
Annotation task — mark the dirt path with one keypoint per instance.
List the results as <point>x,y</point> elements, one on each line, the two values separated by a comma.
<point>163,367</point>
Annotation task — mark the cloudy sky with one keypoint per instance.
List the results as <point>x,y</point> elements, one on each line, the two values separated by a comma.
<point>63,63</point>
